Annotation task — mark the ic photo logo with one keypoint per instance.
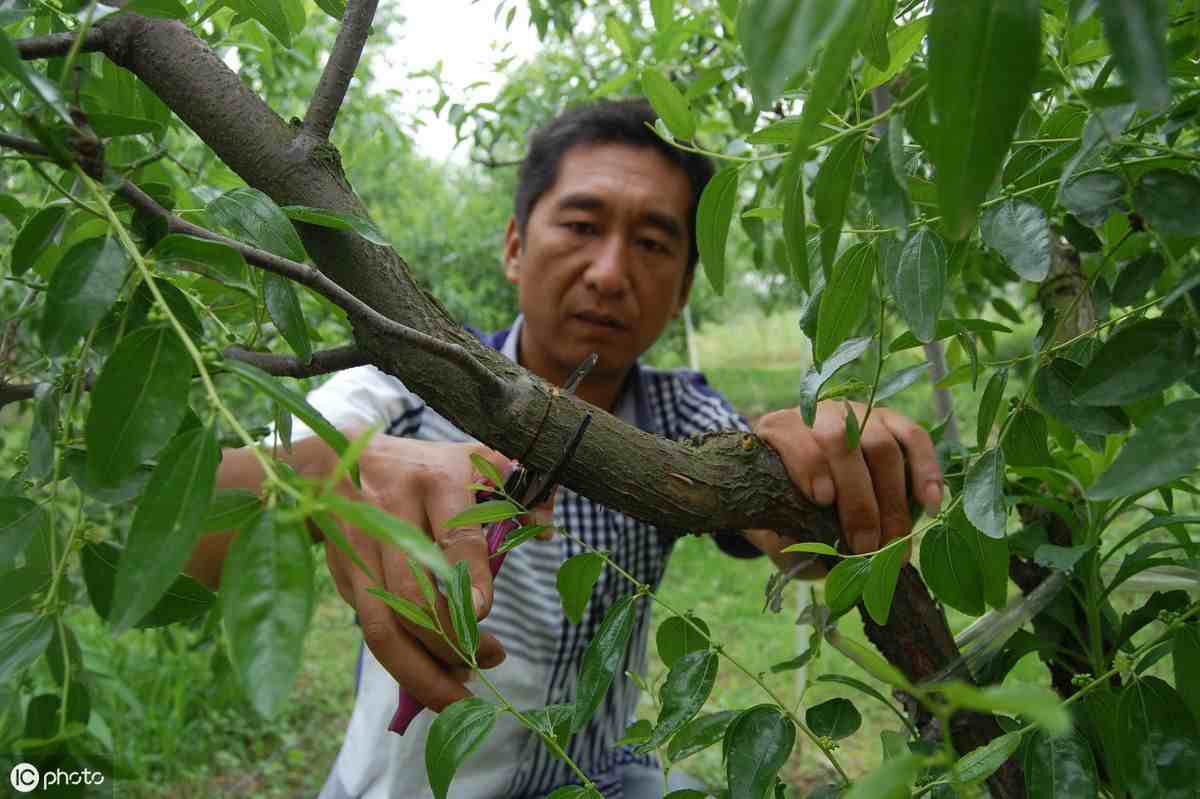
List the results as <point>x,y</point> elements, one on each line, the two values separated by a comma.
<point>24,777</point>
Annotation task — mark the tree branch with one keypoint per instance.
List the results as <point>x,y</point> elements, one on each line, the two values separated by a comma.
<point>59,44</point>
<point>339,70</point>
<point>322,363</point>
<point>15,392</point>
<point>26,146</point>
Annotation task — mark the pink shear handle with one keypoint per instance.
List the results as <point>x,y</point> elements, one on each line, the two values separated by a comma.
<point>408,708</point>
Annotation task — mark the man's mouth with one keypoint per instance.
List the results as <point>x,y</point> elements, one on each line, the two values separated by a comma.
<point>601,320</point>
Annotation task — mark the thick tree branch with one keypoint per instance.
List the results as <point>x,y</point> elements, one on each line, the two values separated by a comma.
<point>339,70</point>
<point>322,363</point>
<point>26,146</point>
<point>59,44</point>
<point>15,392</point>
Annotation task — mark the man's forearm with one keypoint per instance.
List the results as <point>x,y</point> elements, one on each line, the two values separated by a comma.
<point>240,468</point>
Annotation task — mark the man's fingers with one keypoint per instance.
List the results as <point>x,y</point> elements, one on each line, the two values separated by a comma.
<point>405,658</point>
<point>886,464</point>
<point>802,456</point>
<point>923,466</point>
<point>856,504</point>
<point>461,543</point>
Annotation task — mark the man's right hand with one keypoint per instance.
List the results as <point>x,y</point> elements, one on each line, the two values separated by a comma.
<point>425,484</point>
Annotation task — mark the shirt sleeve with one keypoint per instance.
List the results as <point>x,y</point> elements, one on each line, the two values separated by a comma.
<point>364,397</point>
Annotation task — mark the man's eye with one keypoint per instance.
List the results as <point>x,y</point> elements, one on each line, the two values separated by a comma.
<point>580,228</point>
<point>656,246</point>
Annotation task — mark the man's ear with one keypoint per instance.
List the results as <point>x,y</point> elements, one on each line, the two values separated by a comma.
<point>512,251</point>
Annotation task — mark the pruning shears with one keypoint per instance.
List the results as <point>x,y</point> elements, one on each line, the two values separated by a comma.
<point>529,488</point>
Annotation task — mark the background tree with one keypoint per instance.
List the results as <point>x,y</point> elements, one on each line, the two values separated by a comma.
<point>919,172</point>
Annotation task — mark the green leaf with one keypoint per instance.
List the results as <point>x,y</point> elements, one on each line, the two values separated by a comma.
<point>815,379</point>
<point>462,608</point>
<point>689,682</point>
<point>795,225</point>
<point>663,12</point>
<point>844,302</point>
<point>981,762</point>
<point>845,583</point>
<point>39,85</point>
<point>1060,558</point>
<point>1102,130</point>
<point>137,403</point>
<point>292,400</point>
<point>34,236</point>
<point>254,218</point>
<point>1137,362</point>
<point>713,218</point>
<point>166,524</point>
<point>453,736</point>
<point>486,512</point>
<point>780,37</point>
<point>1168,201</point>
<point>997,43</point>
<point>336,221</point>
<point>835,718</point>
<point>1061,768</point>
<point>875,40</point>
<point>952,570</point>
<point>165,9</point>
<point>266,601</point>
<point>903,43</point>
<point>603,659</point>
<point>669,103</point>
<point>890,781</point>
<point>270,13</point>
<point>184,600</point>
<point>284,307</point>
<point>983,494</point>
<point>573,792</point>
<point>1159,749</point>
<point>947,328</point>
<point>576,579</point>
<point>21,520</point>
<point>1040,705</point>
<point>230,509</point>
<point>1137,33</point>
<point>1165,447</point>
<point>853,433</point>
<point>487,470</point>
<point>1053,388</point>
<point>881,582</point>
<point>859,685</point>
<point>211,258</point>
<point>757,744</point>
<point>112,125</point>
<point>1136,278</point>
<point>815,547</point>
<point>896,382</point>
<point>84,286</point>
<point>1020,232</point>
<point>334,8</point>
<point>391,530</point>
<point>831,194</point>
<point>520,536</point>
<point>918,283</point>
<point>886,190</point>
<point>699,734</point>
<point>23,638</point>
<point>677,637</point>
<point>989,405</point>
<point>1093,197</point>
<point>1186,651</point>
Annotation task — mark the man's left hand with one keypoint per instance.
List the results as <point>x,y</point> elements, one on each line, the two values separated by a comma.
<point>869,483</point>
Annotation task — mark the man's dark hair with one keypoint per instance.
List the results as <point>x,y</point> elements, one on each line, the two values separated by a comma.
<point>606,122</point>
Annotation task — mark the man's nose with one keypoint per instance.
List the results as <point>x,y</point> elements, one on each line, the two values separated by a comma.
<point>608,272</point>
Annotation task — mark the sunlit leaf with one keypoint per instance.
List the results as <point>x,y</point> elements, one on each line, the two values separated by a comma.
<point>456,732</point>
<point>713,218</point>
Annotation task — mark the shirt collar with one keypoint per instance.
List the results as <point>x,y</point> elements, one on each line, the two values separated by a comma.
<point>633,405</point>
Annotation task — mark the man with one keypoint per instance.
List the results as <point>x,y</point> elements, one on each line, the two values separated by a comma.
<point>602,251</point>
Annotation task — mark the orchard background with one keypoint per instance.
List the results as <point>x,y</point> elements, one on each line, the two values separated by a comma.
<point>984,212</point>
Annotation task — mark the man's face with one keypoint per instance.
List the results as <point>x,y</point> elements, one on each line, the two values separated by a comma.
<point>602,266</point>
